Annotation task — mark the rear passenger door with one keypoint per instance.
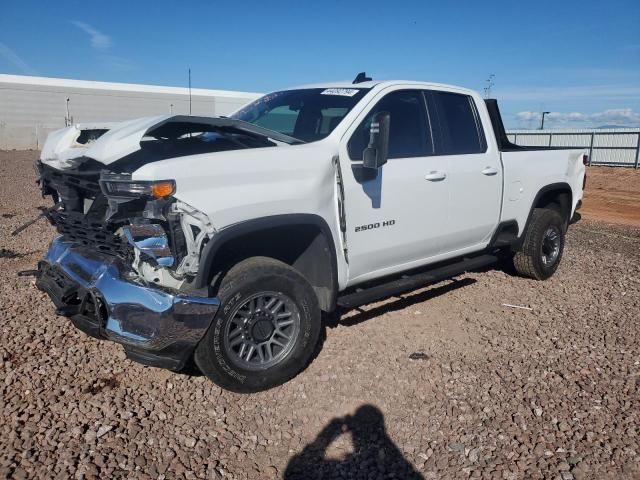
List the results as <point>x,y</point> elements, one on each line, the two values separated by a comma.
<point>474,170</point>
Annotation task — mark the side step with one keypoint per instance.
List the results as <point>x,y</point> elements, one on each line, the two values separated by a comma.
<point>411,282</point>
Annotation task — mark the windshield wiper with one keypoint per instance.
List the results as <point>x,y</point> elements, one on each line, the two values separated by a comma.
<point>173,127</point>
<point>280,137</point>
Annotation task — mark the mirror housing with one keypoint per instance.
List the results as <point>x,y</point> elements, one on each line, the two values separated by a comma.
<point>377,152</point>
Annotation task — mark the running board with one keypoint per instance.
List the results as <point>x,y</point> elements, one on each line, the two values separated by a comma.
<point>416,280</point>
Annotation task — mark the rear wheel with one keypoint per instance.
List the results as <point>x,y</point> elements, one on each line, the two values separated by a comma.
<point>543,245</point>
<point>265,330</point>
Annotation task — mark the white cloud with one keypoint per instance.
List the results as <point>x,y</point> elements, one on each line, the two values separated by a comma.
<point>12,57</point>
<point>102,43</point>
<point>616,116</point>
<point>99,41</point>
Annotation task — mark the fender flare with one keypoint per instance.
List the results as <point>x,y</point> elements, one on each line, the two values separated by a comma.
<point>560,187</point>
<point>225,235</point>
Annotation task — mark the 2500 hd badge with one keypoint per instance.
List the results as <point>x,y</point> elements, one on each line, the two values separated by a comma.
<point>371,226</point>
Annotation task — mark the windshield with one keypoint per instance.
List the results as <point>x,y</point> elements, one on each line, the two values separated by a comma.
<point>309,114</point>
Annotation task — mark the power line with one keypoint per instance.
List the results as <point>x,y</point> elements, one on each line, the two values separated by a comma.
<point>490,83</point>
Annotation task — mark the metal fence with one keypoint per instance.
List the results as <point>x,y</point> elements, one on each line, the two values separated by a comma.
<point>610,147</point>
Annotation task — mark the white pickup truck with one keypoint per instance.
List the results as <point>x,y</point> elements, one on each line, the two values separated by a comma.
<point>222,240</point>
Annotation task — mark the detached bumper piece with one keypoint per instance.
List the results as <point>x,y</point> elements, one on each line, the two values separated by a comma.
<point>156,327</point>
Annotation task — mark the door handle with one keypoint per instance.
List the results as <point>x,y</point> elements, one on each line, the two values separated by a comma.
<point>490,171</point>
<point>435,176</point>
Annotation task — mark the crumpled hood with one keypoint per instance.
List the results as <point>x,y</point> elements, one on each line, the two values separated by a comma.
<point>121,139</point>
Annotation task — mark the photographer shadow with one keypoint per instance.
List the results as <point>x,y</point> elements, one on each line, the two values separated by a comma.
<point>374,455</point>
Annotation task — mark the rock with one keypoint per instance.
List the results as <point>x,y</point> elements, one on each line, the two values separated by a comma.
<point>103,430</point>
<point>473,455</point>
<point>457,447</point>
<point>90,436</point>
<point>547,394</point>
<point>574,460</point>
<point>271,472</point>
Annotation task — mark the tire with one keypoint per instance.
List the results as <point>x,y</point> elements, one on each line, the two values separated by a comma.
<point>250,315</point>
<point>541,251</point>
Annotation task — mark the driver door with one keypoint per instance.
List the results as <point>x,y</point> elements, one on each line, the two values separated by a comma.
<point>395,215</point>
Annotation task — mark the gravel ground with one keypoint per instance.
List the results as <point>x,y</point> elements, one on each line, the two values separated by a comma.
<point>445,382</point>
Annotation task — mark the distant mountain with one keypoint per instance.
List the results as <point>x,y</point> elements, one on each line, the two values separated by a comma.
<point>613,126</point>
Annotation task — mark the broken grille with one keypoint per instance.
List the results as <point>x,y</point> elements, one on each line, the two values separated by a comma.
<point>76,228</point>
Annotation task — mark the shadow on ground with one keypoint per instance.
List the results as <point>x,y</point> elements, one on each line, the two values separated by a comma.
<point>373,453</point>
<point>335,319</point>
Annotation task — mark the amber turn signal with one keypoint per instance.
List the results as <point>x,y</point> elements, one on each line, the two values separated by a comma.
<point>163,189</point>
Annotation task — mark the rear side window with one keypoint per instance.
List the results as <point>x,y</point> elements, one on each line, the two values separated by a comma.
<point>457,124</point>
<point>409,134</point>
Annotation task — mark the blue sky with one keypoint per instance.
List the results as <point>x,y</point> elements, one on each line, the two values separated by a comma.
<point>577,59</point>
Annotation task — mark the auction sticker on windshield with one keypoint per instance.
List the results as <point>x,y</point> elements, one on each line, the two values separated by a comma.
<point>344,92</point>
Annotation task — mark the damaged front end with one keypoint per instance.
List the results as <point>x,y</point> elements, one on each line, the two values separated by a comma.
<point>123,265</point>
<point>158,236</point>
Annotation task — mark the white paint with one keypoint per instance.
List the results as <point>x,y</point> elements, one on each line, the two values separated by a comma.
<point>61,145</point>
<point>433,221</point>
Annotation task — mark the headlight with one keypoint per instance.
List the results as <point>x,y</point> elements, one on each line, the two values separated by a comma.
<point>122,186</point>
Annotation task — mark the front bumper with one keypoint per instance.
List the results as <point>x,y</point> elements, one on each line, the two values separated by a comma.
<point>95,291</point>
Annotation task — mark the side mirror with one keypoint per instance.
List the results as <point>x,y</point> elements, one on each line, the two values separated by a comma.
<point>377,152</point>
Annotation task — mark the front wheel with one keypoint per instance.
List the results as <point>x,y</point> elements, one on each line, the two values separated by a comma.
<point>266,328</point>
<point>541,251</point>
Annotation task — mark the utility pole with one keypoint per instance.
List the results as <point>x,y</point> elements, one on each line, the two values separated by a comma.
<point>542,121</point>
<point>490,84</point>
<point>189,90</point>
<point>67,119</point>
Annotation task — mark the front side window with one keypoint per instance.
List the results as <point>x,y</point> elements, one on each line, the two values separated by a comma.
<point>457,121</point>
<point>307,114</point>
<point>409,133</point>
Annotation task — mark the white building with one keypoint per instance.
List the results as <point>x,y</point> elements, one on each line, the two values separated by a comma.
<point>31,107</point>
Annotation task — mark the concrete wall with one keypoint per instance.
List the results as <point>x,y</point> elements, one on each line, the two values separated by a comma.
<point>31,107</point>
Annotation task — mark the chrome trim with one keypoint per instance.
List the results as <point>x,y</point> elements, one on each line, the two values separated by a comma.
<point>137,314</point>
<point>150,239</point>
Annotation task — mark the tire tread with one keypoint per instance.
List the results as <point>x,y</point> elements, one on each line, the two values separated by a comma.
<point>526,261</point>
<point>248,270</point>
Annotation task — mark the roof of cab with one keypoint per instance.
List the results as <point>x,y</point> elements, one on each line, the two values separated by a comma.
<point>382,84</point>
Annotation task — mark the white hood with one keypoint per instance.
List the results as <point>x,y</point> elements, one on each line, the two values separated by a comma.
<point>122,139</point>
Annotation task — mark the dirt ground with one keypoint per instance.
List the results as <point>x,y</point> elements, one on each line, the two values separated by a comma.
<point>613,195</point>
<point>443,383</point>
